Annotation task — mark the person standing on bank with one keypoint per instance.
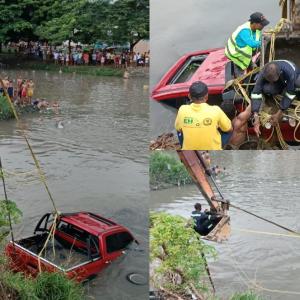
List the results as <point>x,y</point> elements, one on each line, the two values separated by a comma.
<point>278,77</point>
<point>244,40</point>
<point>199,122</point>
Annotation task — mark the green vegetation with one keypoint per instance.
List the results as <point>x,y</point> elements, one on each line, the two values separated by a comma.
<point>246,296</point>
<point>86,21</point>
<point>87,70</point>
<point>178,249</point>
<point>166,170</point>
<point>46,286</point>
<point>5,109</point>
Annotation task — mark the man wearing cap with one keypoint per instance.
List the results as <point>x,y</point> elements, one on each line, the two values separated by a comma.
<point>243,41</point>
<point>279,77</point>
<point>200,122</point>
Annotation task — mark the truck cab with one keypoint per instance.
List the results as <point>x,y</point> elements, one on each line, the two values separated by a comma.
<point>82,245</point>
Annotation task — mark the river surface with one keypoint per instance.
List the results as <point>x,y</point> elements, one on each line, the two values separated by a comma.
<point>265,183</point>
<point>178,27</point>
<point>95,160</point>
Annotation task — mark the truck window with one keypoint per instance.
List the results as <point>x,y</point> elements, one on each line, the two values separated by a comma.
<point>81,235</point>
<point>118,241</point>
<point>73,231</point>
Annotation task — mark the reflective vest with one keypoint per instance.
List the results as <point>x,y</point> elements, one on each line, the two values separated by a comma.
<point>240,56</point>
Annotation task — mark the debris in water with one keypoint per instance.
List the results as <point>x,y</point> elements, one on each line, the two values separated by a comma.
<point>166,141</point>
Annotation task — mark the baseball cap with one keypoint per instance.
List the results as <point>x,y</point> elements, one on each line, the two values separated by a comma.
<point>258,17</point>
<point>198,90</point>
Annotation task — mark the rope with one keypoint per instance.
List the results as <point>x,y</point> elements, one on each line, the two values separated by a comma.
<point>263,116</point>
<point>6,201</point>
<point>252,283</point>
<point>297,236</point>
<point>264,219</point>
<point>51,234</point>
<point>40,173</point>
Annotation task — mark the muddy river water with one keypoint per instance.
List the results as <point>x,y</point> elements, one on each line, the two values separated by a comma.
<point>265,183</point>
<point>95,158</point>
<point>184,26</point>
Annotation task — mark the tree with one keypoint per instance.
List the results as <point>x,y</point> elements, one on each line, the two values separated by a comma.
<point>128,21</point>
<point>8,207</point>
<point>15,19</point>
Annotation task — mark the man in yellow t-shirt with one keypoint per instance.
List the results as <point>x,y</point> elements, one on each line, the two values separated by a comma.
<point>200,122</point>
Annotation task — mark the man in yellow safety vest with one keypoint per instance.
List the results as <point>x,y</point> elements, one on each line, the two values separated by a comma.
<point>243,41</point>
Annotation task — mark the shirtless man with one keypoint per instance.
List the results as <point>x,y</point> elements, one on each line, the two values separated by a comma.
<point>239,124</point>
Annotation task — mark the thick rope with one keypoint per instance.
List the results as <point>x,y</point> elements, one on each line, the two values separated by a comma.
<point>51,234</point>
<point>251,283</point>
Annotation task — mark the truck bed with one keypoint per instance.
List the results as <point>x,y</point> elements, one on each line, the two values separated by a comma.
<point>58,252</point>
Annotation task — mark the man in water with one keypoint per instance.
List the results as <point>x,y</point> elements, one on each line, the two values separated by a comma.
<point>201,220</point>
<point>199,122</point>
<point>279,77</point>
<point>244,40</point>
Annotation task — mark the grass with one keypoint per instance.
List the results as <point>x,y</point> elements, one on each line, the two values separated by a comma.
<point>85,70</point>
<point>246,296</point>
<point>23,62</point>
<point>46,286</point>
<point>166,170</point>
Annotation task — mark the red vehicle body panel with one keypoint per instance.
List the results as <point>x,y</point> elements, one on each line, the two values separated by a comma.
<point>23,260</point>
<point>211,72</point>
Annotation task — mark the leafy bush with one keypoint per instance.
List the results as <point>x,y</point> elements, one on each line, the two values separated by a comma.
<point>5,109</point>
<point>179,251</point>
<point>167,170</point>
<point>15,214</point>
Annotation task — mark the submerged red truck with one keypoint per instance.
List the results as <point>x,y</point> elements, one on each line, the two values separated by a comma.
<point>83,244</point>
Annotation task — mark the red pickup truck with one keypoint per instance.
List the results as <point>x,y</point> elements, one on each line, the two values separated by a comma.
<point>83,244</point>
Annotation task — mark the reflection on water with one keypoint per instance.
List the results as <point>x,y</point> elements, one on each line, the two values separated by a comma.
<point>267,184</point>
<point>97,162</point>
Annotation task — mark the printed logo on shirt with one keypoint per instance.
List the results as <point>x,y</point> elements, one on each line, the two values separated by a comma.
<point>188,120</point>
<point>207,121</point>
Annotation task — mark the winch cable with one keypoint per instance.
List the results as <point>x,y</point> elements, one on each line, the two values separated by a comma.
<point>7,203</point>
<point>40,172</point>
<point>208,172</point>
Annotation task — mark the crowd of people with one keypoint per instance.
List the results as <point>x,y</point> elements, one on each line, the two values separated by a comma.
<point>21,91</point>
<point>82,56</point>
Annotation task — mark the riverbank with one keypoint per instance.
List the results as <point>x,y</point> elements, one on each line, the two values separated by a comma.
<point>165,170</point>
<point>21,62</point>
<point>179,266</point>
